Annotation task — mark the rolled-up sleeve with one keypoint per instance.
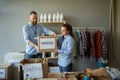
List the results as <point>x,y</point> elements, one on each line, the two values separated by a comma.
<point>26,35</point>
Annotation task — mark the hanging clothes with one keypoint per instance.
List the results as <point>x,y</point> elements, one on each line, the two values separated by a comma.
<point>83,43</point>
<point>98,39</point>
<point>88,43</point>
<point>91,43</point>
<point>80,42</point>
<point>76,46</point>
<point>92,48</point>
<point>104,46</point>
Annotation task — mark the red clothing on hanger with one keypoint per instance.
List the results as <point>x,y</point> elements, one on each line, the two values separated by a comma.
<point>98,39</point>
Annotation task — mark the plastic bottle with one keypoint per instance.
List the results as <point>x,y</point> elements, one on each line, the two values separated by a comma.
<point>45,18</point>
<point>54,18</point>
<point>61,17</point>
<point>58,17</point>
<point>49,17</point>
<point>41,17</point>
<point>86,78</point>
<point>100,63</point>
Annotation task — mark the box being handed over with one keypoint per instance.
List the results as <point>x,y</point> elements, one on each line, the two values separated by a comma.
<point>47,43</point>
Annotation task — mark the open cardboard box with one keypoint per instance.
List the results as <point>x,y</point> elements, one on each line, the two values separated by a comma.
<point>44,63</point>
<point>53,66</point>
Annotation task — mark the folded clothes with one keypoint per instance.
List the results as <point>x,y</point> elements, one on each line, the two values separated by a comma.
<point>114,73</point>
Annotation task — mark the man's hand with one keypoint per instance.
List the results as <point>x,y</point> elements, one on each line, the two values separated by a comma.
<point>53,34</point>
<point>34,45</point>
<point>37,49</point>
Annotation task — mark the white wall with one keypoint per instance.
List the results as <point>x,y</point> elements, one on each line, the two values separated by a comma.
<point>14,14</point>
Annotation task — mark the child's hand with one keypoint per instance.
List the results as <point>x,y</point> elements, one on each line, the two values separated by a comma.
<point>56,51</point>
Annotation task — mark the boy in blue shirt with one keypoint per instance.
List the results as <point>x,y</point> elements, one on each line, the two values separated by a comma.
<point>65,49</point>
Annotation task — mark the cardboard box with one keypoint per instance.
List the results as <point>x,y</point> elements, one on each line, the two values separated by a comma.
<point>43,62</point>
<point>54,69</point>
<point>14,58</point>
<point>6,72</point>
<point>55,75</point>
<point>71,78</point>
<point>46,79</point>
<point>53,65</point>
<point>59,76</point>
<point>47,43</point>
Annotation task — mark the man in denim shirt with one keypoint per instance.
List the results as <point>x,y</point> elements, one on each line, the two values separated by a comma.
<point>30,32</point>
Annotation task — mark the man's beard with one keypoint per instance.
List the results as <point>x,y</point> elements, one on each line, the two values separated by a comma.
<point>34,23</point>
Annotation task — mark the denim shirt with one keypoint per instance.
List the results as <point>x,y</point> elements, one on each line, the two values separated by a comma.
<point>65,54</point>
<point>30,33</point>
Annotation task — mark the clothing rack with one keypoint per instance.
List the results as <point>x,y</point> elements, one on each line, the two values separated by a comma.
<point>91,29</point>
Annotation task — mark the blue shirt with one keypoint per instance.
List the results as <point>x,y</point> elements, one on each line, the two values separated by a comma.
<point>66,51</point>
<point>31,33</point>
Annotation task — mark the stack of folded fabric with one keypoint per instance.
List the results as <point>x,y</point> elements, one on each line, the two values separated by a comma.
<point>114,73</point>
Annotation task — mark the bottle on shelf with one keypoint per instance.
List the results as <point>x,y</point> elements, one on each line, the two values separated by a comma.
<point>45,18</point>
<point>49,17</point>
<point>41,18</point>
<point>61,17</point>
<point>54,18</point>
<point>57,17</point>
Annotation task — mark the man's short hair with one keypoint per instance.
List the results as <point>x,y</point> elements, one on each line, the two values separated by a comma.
<point>33,12</point>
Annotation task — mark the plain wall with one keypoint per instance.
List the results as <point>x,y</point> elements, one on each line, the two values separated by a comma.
<point>14,14</point>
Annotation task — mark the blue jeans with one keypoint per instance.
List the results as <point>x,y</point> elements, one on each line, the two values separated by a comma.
<point>66,69</point>
<point>28,56</point>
